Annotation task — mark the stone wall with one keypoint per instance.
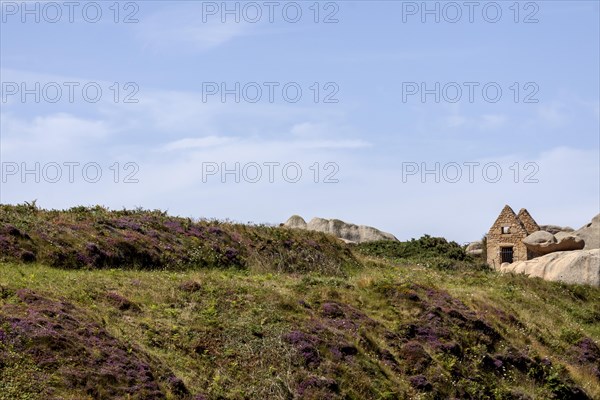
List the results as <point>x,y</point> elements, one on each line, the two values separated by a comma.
<point>528,221</point>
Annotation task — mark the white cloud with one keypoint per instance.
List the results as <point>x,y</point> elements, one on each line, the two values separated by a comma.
<point>331,144</point>
<point>171,134</point>
<point>458,120</point>
<point>552,114</point>
<point>310,129</point>
<point>180,26</point>
<point>492,121</point>
<point>197,143</point>
<point>455,121</point>
<point>53,135</point>
<point>199,37</point>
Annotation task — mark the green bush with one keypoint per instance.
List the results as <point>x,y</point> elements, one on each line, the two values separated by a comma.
<point>422,248</point>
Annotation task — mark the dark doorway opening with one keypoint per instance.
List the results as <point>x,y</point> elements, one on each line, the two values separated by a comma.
<point>506,254</point>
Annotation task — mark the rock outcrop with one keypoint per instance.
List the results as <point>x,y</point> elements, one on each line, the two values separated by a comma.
<point>563,234</point>
<point>543,242</point>
<point>579,266</point>
<point>554,229</point>
<point>475,248</point>
<point>295,221</point>
<point>347,232</point>
<point>539,239</point>
<point>590,233</point>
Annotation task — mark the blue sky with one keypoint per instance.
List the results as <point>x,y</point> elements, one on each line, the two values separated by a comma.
<point>371,138</point>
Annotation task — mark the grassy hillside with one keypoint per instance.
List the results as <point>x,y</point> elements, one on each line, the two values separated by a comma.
<point>139,305</point>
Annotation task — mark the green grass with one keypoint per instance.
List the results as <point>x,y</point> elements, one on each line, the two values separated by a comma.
<point>226,340</point>
<point>287,315</point>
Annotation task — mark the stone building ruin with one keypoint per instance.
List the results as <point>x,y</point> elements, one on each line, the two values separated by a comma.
<point>505,237</point>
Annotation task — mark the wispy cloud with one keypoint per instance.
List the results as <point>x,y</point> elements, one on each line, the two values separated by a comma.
<point>180,27</point>
<point>198,143</point>
<point>53,135</point>
<point>456,118</point>
<point>553,114</point>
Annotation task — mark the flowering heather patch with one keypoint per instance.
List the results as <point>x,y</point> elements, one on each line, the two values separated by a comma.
<point>127,224</point>
<point>95,238</point>
<point>312,243</point>
<point>332,310</point>
<point>440,317</point>
<point>307,347</point>
<point>190,286</point>
<point>328,340</point>
<point>446,326</point>
<point>121,302</point>
<point>80,355</point>
<point>343,351</point>
<point>177,386</point>
<point>345,317</point>
<point>15,244</point>
<point>215,230</point>
<point>416,358</point>
<point>318,388</point>
<point>197,232</point>
<point>586,352</point>
<point>174,226</point>
<point>210,310</point>
<point>232,256</point>
<point>421,383</point>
